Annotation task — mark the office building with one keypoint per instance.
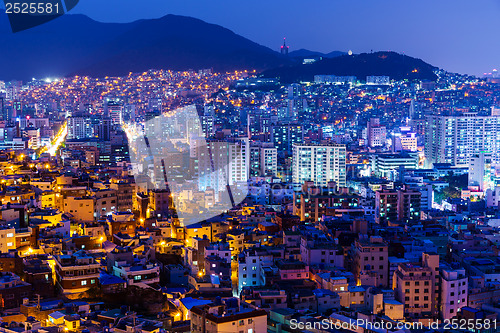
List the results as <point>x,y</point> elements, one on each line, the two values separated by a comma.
<point>391,165</point>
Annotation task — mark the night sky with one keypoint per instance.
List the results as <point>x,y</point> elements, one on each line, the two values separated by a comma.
<point>457,35</point>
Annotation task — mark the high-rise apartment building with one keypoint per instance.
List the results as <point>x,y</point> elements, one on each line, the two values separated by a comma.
<point>207,125</point>
<point>377,134</point>
<point>480,171</point>
<point>13,89</point>
<point>79,128</point>
<point>263,159</point>
<point>455,139</point>
<point>284,136</point>
<point>3,110</point>
<point>155,104</point>
<point>222,163</point>
<point>102,128</point>
<point>397,205</point>
<point>254,160</point>
<point>319,163</point>
<point>114,109</point>
<point>268,161</point>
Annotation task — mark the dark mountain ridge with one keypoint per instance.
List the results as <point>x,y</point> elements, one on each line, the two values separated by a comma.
<point>304,53</point>
<point>392,64</point>
<point>78,45</point>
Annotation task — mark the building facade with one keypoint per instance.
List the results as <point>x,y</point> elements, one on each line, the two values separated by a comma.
<point>455,139</point>
<point>320,164</point>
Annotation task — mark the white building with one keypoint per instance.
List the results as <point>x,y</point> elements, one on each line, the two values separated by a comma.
<point>79,128</point>
<point>405,142</point>
<point>34,137</point>
<point>455,139</point>
<point>378,79</point>
<point>377,134</point>
<point>480,171</point>
<point>319,163</point>
<point>389,165</point>
<point>493,197</point>
<point>454,291</point>
<point>250,268</point>
<point>115,111</point>
<point>222,163</point>
<point>268,161</point>
<point>239,161</point>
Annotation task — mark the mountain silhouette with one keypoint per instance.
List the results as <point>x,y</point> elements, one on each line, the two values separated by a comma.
<point>78,45</point>
<point>392,64</point>
<point>304,53</point>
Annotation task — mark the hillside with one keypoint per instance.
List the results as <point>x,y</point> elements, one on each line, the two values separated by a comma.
<point>392,64</point>
<point>76,44</point>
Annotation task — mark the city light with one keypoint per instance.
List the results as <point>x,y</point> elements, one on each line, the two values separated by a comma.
<point>170,175</point>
